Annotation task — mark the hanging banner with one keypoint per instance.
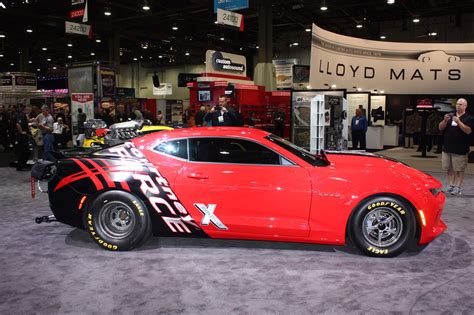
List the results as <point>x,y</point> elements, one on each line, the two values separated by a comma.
<point>163,89</point>
<point>284,72</point>
<point>84,101</point>
<point>230,18</point>
<point>107,79</point>
<point>76,28</point>
<point>395,68</point>
<point>221,62</point>
<point>230,5</point>
<point>79,10</point>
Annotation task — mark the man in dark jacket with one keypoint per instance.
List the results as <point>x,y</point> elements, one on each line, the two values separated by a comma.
<point>358,129</point>
<point>219,115</point>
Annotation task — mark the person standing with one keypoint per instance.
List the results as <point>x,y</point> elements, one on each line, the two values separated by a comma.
<point>456,141</point>
<point>4,121</point>
<point>159,118</point>
<point>358,129</point>
<point>81,120</point>
<point>45,123</point>
<point>22,146</point>
<point>279,119</point>
<point>199,117</point>
<point>120,115</point>
<point>219,115</point>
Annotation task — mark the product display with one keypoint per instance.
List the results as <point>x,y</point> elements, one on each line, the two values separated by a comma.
<point>244,184</point>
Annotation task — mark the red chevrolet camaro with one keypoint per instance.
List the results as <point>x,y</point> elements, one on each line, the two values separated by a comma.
<point>239,183</point>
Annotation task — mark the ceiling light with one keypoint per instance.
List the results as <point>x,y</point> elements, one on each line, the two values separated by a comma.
<point>2,5</point>
<point>174,28</point>
<point>107,11</point>
<point>1,55</point>
<point>69,45</point>
<point>98,40</point>
<point>307,30</point>
<point>29,29</point>
<point>54,68</point>
<point>383,37</point>
<point>222,38</point>
<point>92,53</point>
<point>44,48</point>
<point>146,7</point>
<point>390,1</point>
<point>416,20</point>
<point>12,64</point>
<point>135,59</point>
<point>432,34</point>
<point>30,62</point>
<point>333,86</point>
<point>241,48</point>
<point>257,47</point>
<point>382,92</point>
<point>69,57</point>
<point>215,22</point>
<point>49,59</point>
<point>145,46</point>
<point>324,8</point>
<point>295,44</point>
<point>186,54</point>
<point>38,69</point>
<point>359,89</point>
<point>160,56</point>
<point>2,35</point>
<point>359,25</point>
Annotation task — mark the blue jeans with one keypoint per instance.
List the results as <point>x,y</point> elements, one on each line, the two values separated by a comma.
<point>48,141</point>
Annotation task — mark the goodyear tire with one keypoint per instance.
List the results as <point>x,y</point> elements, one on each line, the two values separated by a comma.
<point>117,220</point>
<point>382,226</point>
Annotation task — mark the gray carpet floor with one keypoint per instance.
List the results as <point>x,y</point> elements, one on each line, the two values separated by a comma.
<point>55,269</point>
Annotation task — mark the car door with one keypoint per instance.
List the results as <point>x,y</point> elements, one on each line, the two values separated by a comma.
<point>239,188</point>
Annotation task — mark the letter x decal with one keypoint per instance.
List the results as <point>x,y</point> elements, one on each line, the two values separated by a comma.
<point>209,215</point>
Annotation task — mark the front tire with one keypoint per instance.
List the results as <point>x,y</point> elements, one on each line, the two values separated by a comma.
<point>382,226</point>
<point>117,221</point>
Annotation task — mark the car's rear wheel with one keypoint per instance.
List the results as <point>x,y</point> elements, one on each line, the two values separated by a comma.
<point>382,226</point>
<point>117,220</point>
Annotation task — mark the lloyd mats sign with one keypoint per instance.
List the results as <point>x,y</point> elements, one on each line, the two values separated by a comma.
<point>396,68</point>
<point>221,62</point>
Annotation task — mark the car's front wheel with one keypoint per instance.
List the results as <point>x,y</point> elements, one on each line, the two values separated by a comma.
<point>382,226</point>
<point>117,220</point>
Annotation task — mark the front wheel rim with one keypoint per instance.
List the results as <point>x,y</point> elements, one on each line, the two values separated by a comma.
<point>382,227</point>
<point>117,220</point>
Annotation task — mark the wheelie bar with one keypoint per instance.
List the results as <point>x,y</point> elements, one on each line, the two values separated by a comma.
<point>47,219</point>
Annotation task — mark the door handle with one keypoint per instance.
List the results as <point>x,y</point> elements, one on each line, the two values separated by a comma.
<point>198,176</point>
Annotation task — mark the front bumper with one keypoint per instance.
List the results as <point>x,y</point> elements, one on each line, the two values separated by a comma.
<point>434,225</point>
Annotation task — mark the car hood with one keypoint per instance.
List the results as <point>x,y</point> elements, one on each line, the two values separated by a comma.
<point>385,167</point>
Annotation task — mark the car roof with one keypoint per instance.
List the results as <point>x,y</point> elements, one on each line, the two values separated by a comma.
<point>249,133</point>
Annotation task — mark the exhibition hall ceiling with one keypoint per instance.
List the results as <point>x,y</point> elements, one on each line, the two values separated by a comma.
<point>180,31</point>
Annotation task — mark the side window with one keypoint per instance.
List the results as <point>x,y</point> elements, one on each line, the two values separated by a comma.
<point>178,148</point>
<point>228,150</point>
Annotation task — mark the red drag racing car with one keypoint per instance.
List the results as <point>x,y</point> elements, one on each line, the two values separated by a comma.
<point>240,183</point>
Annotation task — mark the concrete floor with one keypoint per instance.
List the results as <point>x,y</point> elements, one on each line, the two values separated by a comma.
<point>55,269</point>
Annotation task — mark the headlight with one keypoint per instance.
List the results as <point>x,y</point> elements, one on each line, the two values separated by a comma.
<point>435,191</point>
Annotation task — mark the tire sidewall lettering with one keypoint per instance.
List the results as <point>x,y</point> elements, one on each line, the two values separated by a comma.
<point>387,204</point>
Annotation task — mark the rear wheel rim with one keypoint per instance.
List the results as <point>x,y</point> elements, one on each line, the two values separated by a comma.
<point>382,227</point>
<point>117,220</point>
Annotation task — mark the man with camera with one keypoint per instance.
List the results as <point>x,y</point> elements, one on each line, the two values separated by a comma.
<point>457,129</point>
<point>219,115</point>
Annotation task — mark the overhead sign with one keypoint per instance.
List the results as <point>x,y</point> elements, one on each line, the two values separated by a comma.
<point>284,72</point>
<point>395,68</point>
<point>25,80</point>
<point>230,5</point>
<point>79,10</point>
<point>107,79</point>
<point>6,80</point>
<point>84,101</point>
<point>230,18</point>
<point>163,89</point>
<point>76,28</point>
<point>221,62</point>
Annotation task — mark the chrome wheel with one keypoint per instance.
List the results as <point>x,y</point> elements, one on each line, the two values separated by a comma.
<point>117,220</point>
<point>382,227</point>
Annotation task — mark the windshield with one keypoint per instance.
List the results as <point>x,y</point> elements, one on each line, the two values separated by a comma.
<point>296,150</point>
